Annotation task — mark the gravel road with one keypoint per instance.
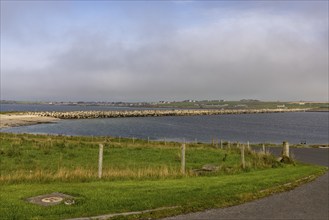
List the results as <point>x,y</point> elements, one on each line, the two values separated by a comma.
<point>309,201</point>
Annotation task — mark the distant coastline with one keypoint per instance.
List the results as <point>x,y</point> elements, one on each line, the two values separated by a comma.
<point>318,110</point>
<point>244,104</point>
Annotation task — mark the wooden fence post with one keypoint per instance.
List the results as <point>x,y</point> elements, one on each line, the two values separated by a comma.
<point>285,150</point>
<point>243,162</point>
<point>100,161</point>
<point>183,159</point>
<point>264,151</point>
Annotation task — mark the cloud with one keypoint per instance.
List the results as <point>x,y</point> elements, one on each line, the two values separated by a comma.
<point>250,54</point>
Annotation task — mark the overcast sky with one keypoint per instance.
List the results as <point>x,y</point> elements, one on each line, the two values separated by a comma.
<point>172,50</point>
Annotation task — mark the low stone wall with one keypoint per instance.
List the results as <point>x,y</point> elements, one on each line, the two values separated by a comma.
<point>152,113</point>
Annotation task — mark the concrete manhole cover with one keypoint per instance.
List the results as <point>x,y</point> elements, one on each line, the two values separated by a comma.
<point>51,199</point>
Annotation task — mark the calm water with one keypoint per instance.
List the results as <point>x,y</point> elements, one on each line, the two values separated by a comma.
<point>293,127</point>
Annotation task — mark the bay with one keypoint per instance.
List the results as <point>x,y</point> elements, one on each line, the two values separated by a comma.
<point>295,127</point>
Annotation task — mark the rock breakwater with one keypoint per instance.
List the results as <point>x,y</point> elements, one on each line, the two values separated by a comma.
<point>152,113</point>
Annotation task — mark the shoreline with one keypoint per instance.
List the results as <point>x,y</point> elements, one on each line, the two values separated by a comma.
<point>257,145</point>
<point>16,120</point>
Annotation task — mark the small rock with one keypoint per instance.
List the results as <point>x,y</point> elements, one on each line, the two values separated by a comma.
<point>209,167</point>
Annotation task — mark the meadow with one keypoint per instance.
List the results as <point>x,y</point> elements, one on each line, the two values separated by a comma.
<point>137,175</point>
<point>245,104</point>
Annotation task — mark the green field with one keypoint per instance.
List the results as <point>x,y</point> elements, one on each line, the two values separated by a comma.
<point>246,104</point>
<point>208,104</point>
<point>137,175</point>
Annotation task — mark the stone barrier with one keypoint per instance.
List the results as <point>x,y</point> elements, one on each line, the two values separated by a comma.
<point>152,113</point>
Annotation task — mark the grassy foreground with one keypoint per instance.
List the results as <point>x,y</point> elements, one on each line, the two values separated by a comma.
<point>190,194</point>
<point>138,176</point>
<point>44,158</point>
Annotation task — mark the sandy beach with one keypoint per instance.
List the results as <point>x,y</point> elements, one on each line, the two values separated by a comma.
<point>14,120</point>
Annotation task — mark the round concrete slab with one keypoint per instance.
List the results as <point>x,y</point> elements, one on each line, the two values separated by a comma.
<point>52,199</point>
<point>49,199</point>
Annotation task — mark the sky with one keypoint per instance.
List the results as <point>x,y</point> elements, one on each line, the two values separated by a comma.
<point>136,51</point>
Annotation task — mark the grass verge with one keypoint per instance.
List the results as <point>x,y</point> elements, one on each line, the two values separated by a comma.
<point>189,193</point>
<point>138,176</point>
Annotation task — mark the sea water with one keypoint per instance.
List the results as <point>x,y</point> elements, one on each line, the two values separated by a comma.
<point>294,127</point>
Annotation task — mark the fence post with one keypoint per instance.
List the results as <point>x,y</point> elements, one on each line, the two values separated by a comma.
<point>264,151</point>
<point>248,145</point>
<point>221,144</point>
<point>183,159</point>
<point>242,157</point>
<point>228,145</point>
<point>285,150</point>
<point>100,161</point>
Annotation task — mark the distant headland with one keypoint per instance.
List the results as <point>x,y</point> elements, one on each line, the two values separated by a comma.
<point>221,104</point>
